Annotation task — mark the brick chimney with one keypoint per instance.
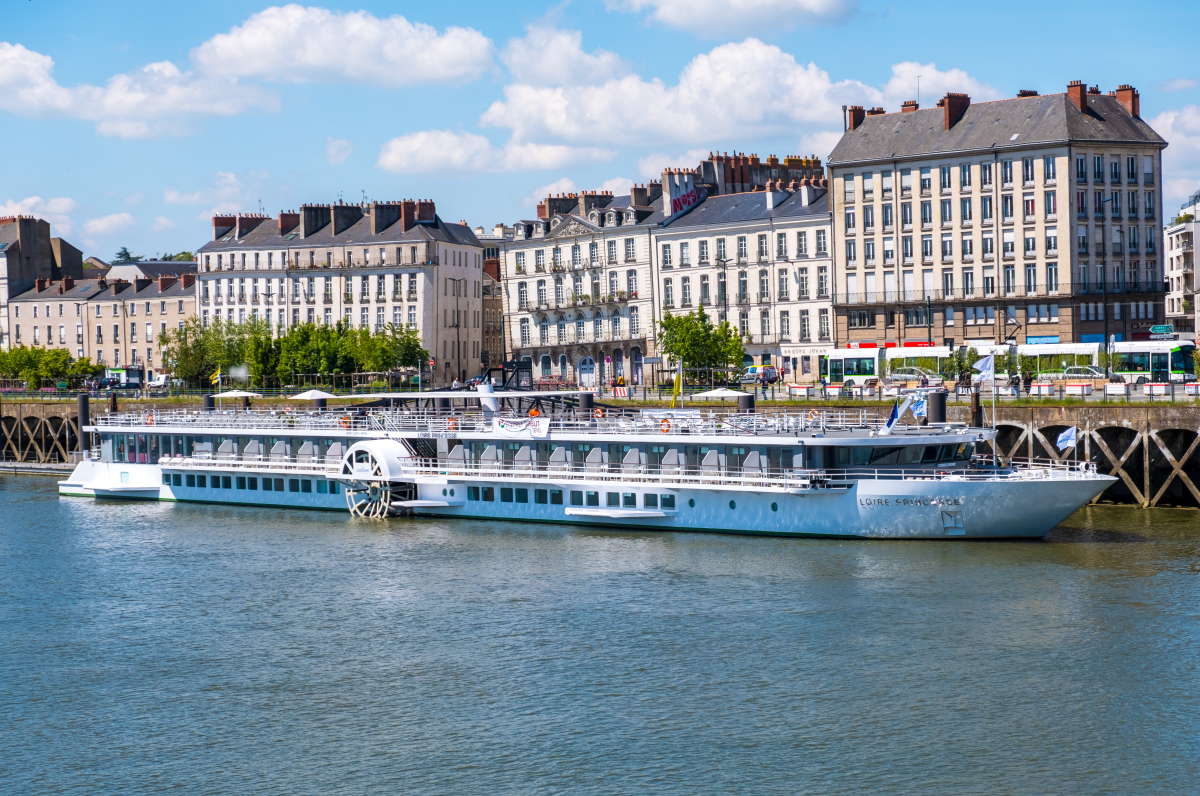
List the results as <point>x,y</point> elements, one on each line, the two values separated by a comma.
<point>542,211</point>
<point>857,114</point>
<point>1077,94</point>
<point>909,106</point>
<point>875,112</point>
<point>246,223</point>
<point>141,283</point>
<point>67,283</point>
<point>426,210</point>
<point>1026,92</point>
<point>188,280</point>
<point>222,225</point>
<point>287,222</point>
<point>165,282</point>
<point>40,284</point>
<point>955,105</point>
<point>1128,96</point>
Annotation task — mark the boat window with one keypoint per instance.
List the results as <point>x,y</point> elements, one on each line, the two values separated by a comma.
<point>166,479</point>
<point>200,479</point>
<point>227,482</point>
<point>912,454</point>
<point>540,496</point>
<point>780,459</point>
<point>293,484</point>
<point>593,498</point>
<point>735,457</point>
<point>506,494</point>
<point>884,456</point>
<point>555,497</point>
<point>306,486</point>
<point>472,493</point>
<point>614,499</point>
<point>191,480</point>
<point>655,454</point>
<point>176,479</point>
<point>241,482</point>
<point>694,454</point>
<point>616,455</point>
<point>489,494</point>
<point>581,450</point>
<point>629,500</point>
<point>650,501</point>
<point>965,450</point>
<point>576,497</point>
<point>522,494</point>
<point>322,486</point>
<point>667,502</point>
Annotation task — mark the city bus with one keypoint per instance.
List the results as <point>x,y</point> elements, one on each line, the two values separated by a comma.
<point>1140,361</point>
<point>851,366</point>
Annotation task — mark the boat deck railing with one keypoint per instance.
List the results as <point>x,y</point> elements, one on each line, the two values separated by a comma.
<point>383,421</point>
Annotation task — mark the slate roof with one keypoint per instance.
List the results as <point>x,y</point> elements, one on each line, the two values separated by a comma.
<point>91,290</point>
<point>734,208</point>
<point>266,236</point>
<point>1002,124</point>
<point>151,269</point>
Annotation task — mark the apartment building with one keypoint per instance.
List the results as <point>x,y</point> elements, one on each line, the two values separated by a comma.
<point>28,253</point>
<point>367,265</point>
<point>584,283</point>
<point>948,221</point>
<point>1179,238</point>
<point>760,261</point>
<point>112,322</point>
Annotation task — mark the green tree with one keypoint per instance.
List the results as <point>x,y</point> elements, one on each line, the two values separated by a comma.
<point>695,340</point>
<point>123,256</point>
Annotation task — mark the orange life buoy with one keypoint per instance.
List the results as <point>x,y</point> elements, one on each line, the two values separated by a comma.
<point>534,412</point>
<point>345,422</point>
<point>598,413</point>
<point>665,426</point>
<point>812,415</point>
<point>452,424</point>
<point>149,420</point>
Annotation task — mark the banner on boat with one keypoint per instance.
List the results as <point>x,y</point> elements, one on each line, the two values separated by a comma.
<point>523,426</point>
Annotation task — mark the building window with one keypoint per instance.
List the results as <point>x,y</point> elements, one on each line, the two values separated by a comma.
<point>685,255</point>
<point>964,176</point>
<point>823,324</point>
<point>685,291</point>
<point>629,250</point>
<point>821,241</point>
<point>851,252</point>
<point>668,293</point>
<point>742,251</point>
<point>804,328</point>
<point>785,325</point>
<point>781,245</point>
<point>666,254</point>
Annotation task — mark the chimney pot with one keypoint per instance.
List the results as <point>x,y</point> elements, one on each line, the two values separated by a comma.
<point>1077,94</point>
<point>909,106</point>
<point>1128,96</point>
<point>857,114</point>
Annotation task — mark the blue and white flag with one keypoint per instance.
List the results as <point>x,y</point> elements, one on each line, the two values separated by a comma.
<point>891,421</point>
<point>986,368</point>
<point>1066,439</point>
<point>918,408</point>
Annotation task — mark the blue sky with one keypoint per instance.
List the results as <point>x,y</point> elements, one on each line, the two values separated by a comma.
<point>130,123</point>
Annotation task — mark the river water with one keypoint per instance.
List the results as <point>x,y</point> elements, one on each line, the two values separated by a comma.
<point>147,648</point>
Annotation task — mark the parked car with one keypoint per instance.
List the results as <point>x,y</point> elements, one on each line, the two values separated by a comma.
<point>916,374</point>
<point>754,373</point>
<point>1076,373</point>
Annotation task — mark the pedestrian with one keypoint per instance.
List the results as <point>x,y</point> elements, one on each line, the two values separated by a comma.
<point>456,385</point>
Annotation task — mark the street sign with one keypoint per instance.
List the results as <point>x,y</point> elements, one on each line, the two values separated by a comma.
<point>652,360</point>
<point>1162,329</point>
<point>1162,336</point>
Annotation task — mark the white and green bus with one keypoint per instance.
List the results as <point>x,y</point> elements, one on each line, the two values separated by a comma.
<point>1140,361</point>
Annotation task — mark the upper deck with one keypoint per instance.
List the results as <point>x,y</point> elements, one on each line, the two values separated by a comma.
<point>816,424</point>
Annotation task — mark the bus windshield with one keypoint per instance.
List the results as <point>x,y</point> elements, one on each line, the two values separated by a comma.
<point>864,366</point>
<point>1132,362</point>
<point>1181,359</point>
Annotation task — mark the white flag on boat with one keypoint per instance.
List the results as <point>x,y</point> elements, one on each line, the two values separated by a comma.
<point>986,368</point>
<point>918,408</point>
<point>1066,439</point>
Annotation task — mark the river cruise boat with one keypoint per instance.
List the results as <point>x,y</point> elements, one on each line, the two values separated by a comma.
<point>552,457</point>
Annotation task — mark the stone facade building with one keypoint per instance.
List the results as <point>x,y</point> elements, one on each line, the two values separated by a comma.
<point>112,322</point>
<point>28,253</point>
<point>1028,220</point>
<point>367,265</point>
<point>587,280</point>
<point>1179,239</point>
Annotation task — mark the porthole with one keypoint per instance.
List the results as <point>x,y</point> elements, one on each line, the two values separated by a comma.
<point>732,505</point>
<point>451,493</point>
<point>443,493</point>
<point>692,502</point>
<point>774,507</point>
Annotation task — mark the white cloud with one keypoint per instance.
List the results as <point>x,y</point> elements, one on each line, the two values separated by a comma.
<point>162,222</point>
<point>228,194</point>
<point>295,44</point>
<point>739,89</point>
<point>721,16</point>
<point>337,150</point>
<point>147,101</point>
<point>933,85</point>
<point>1178,84</point>
<point>144,102</point>
<point>1181,160</point>
<point>618,186</point>
<point>134,198</point>
<point>444,150</point>
<point>652,165</point>
<point>107,225</point>
<point>564,185</point>
<point>551,57</point>
<point>54,210</point>
<point>820,143</point>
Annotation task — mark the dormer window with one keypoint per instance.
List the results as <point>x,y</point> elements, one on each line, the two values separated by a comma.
<point>554,223</point>
<point>612,218</point>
